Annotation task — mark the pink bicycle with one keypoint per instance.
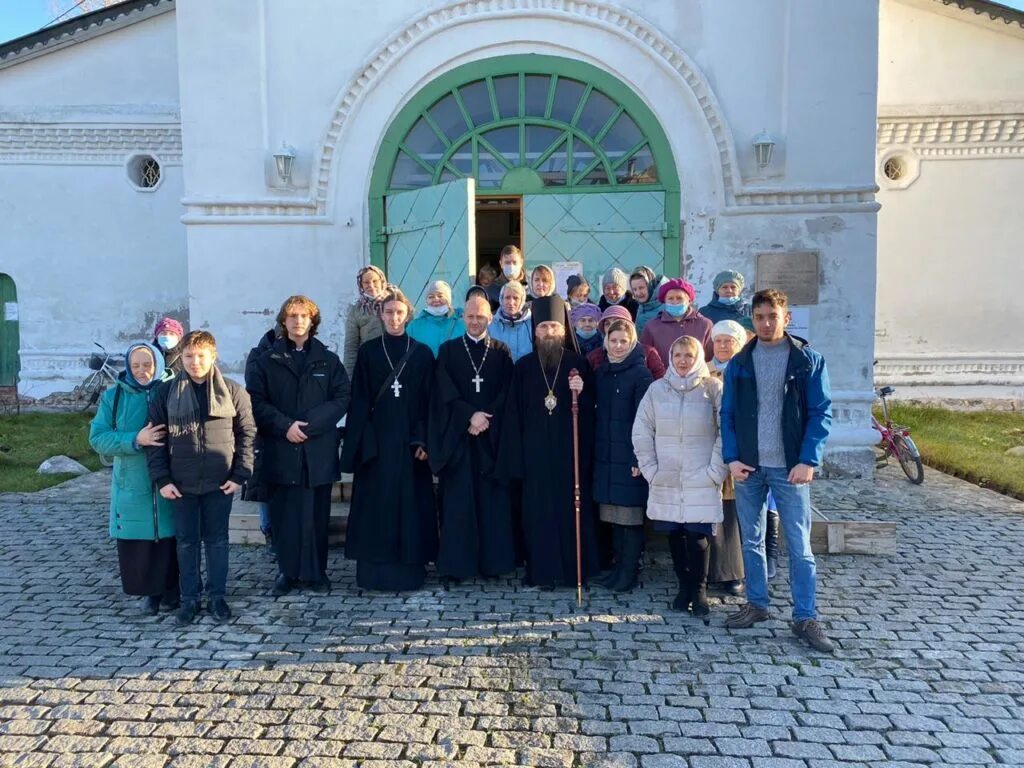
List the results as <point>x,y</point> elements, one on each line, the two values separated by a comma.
<point>896,441</point>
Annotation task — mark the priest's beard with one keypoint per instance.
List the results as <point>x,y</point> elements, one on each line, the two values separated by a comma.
<point>550,353</point>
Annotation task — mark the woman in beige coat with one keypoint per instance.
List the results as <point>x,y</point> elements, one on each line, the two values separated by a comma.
<point>679,449</point>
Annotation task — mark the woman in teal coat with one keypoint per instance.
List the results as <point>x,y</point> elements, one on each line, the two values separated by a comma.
<point>439,321</point>
<point>141,521</point>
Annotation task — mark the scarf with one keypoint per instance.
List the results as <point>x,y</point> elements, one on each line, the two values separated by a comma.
<point>523,314</point>
<point>158,365</point>
<point>368,303</point>
<point>183,407</point>
<point>690,380</point>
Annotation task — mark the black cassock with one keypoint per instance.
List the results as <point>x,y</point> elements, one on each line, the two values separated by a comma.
<point>477,537</point>
<point>536,447</point>
<point>392,524</point>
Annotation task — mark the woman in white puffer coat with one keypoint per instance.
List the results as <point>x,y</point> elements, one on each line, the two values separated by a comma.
<point>678,445</point>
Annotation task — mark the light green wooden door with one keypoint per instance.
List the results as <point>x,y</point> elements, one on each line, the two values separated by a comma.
<point>10,362</point>
<point>431,235</point>
<point>600,230</point>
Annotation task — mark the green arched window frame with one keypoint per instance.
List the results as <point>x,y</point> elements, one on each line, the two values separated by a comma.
<point>489,119</point>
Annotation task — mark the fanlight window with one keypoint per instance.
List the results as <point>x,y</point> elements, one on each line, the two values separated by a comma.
<point>566,131</point>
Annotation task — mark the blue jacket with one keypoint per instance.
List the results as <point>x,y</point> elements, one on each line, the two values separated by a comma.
<point>647,312</point>
<point>517,335</point>
<point>620,387</point>
<point>806,407</point>
<point>435,331</point>
<point>715,311</point>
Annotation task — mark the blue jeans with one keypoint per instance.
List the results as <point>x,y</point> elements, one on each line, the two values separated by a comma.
<point>265,518</point>
<point>794,505</point>
<point>202,519</point>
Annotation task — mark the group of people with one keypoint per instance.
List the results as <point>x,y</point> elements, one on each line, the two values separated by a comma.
<point>689,418</point>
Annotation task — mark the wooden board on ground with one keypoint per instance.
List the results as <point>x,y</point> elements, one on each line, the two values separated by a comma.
<point>244,524</point>
<point>851,537</point>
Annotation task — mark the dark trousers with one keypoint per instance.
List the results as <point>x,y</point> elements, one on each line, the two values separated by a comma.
<point>202,518</point>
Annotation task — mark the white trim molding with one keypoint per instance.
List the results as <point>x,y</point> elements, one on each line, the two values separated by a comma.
<point>948,136</point>
<point>963,368</point>
<point>87,143</point>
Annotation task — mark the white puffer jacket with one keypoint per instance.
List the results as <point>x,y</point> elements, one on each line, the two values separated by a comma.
<point>679,447</point>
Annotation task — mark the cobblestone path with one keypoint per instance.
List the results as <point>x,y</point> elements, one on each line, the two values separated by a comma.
<point>930,670</point>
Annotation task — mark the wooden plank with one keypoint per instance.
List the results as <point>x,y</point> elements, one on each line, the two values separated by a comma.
<point>868,537</point>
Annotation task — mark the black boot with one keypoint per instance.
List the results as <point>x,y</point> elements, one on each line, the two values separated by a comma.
<point>677,548</point>
<point>629,557</point>
<point>771,542</point>
<point>611,576</point>
<point>698,556</point>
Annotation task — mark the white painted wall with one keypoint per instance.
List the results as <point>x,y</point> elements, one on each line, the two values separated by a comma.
<point>295,71</point>
<point>93,259</point>
<point>949,243</point>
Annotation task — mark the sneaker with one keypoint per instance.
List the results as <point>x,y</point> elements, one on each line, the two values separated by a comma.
<point>747,616</point>
<point>186,614</point>
<point>220,610</point>
<point>151,605</point>
<point>772,568</point>
<point>282,585</point>
<point>811,631</point>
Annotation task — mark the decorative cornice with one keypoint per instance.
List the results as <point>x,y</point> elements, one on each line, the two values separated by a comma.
<point>87,143</point>
<point>960,129</point>
<point>81,28</point>
<point>995,11</point>
<point>964,368</point>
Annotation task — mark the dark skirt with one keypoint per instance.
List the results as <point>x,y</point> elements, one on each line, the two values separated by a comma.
<point>148,568</point>
<point>726,547</point>
<point>299,518</point>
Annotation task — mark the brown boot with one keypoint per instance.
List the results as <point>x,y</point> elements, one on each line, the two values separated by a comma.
<point>811,631</point>
<point>747,616</point>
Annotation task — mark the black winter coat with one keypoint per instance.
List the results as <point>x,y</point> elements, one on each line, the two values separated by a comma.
<point>312,387</point>
<point>201,462</point>
<point>256,488</point>
<point>620,387</point>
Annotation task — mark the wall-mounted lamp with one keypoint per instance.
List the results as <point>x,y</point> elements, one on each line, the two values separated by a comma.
<point>285,160</point>
<point>764,145</point>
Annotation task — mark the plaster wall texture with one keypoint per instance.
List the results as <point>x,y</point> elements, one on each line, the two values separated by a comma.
<point>250,81</point>
<point>93,259</point>
<point>951,104</point>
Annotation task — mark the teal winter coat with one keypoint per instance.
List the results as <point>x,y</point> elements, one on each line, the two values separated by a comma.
<point>137,511</point>
<point>435,331</point>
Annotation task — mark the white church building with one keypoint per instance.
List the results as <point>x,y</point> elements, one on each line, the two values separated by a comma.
<point>205,160</point>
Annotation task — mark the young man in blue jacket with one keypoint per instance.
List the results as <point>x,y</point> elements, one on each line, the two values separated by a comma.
<point>776,415</point>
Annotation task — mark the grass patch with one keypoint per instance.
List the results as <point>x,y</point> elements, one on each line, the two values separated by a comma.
<point>969,445</point>
<point>28,439</point>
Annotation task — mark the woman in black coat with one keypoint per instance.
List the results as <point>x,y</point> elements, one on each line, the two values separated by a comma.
<point>299,391</point>
<point>619,489</point>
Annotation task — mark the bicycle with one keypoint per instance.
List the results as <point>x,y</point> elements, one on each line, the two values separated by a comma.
<point>103,375</point>
<point>896,441</point>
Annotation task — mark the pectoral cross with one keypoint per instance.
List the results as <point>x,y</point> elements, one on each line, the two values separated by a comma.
<point>477,380</point>
<point>396,387</point>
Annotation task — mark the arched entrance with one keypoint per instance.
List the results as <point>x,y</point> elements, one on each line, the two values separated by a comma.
<point>10,363</point>
<point>551,153</point>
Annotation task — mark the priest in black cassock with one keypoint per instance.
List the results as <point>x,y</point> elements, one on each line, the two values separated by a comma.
<point>471,379</point>
<point>537,447</point>
<point>392,524</point>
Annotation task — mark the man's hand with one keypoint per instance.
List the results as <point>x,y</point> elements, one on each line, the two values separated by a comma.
<point>150,435</point>
<point>479,422</point>
<point>634,471</point>
<point>295,433</point>
<point>230,487</point>
<point>419,453</point>
<point>170,492</point>
<point>739,470</point>
<point>576,384</point>
<point>801,474</point>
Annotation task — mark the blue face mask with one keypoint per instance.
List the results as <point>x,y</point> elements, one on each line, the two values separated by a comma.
<point>730,301</point>
<point>167,341</point>
<point>676,310</point>
<point>586,334</point>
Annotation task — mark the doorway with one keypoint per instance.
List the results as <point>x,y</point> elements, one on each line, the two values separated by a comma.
<point>10,364</point>
<point>499,222</point>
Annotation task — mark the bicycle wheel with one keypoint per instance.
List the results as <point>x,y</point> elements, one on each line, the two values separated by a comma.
<point>909,458</point>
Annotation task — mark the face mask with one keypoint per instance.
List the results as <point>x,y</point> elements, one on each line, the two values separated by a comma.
<point>167,342</point>
<point>510,271</point>
<point>677,310</point>
<point>437,311</point>
<point>729,302</point>
<point>586,334</point>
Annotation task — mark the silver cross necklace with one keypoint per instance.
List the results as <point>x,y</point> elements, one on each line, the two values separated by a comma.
<point>477,379</point>
<point>396,385</point>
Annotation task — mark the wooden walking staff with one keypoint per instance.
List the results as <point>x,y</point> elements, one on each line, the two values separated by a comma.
<point>576,488</point>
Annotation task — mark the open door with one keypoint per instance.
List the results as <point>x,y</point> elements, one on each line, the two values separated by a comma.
<point>431,235</point>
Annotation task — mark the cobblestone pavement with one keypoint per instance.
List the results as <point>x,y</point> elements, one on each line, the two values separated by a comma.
<point>930,670</point>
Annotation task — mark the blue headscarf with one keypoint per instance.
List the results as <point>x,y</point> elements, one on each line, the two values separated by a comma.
<point>158,372</point>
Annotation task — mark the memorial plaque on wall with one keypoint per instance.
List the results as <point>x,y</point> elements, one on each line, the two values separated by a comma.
<point>795,273</point>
